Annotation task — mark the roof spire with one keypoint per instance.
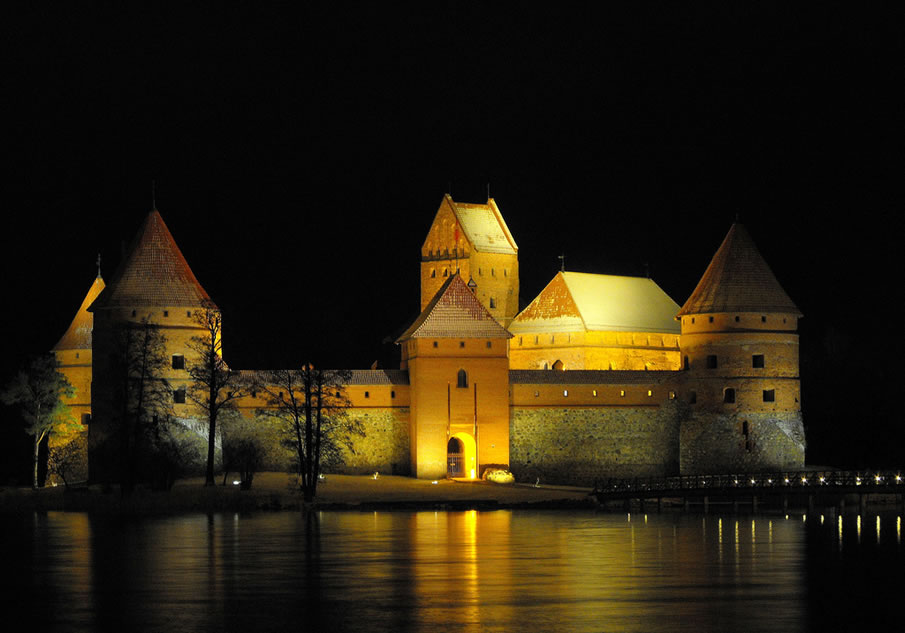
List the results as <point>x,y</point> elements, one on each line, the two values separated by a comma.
<point>99,266</point>
<point>488,190</point>
<point>153,195</point>
<point>562,262</point>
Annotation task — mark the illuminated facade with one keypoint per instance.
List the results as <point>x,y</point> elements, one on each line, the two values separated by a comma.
<point>600,376</point>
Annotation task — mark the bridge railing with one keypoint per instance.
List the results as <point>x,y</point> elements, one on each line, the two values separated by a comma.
<point>870,480</point>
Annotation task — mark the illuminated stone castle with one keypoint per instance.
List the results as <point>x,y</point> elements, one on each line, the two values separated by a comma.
<point>599,376</point>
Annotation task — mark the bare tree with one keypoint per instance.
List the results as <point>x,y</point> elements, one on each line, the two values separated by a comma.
<point>310,405</point>
<point>38,391</point>
<point>214,387</point>
<point>143,398</point>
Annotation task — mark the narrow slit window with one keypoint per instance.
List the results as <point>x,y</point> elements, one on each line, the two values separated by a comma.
<point>729,396</point>
<point>462,379</point>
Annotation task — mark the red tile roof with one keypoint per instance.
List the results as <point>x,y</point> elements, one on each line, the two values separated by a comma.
<point>455,312</point>
<point>738,280</point>
<point>78,336</point>
<point>153,273</point>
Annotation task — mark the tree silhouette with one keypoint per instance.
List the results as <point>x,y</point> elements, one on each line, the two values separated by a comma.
<point>38,391</point>
<point>214,388</point>
<point>309,405</point>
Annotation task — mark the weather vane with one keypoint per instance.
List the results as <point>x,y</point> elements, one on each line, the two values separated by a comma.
<point>562,262</point>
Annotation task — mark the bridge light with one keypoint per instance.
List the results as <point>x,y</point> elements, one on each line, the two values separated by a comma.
<point>822,480</point>
<point>736,481</point>
<point>857,481</point>
<point>804,480</point>
<point>877,478</point>
<point>898,478</point>
<point>752,482</point>
<point>787,480</point>
<point>769,481</point>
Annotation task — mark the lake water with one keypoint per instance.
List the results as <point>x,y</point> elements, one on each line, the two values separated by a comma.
<point>453,571</point>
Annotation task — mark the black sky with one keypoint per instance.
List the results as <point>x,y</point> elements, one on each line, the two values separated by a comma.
<point>300,154</point>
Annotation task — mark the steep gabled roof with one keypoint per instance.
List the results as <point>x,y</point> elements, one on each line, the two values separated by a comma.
<point>455,312</point>
<point>576,302</point>
<point>78,336</point>
<point>482,225</point>
<point>153,273</point>
<point>738,279</point>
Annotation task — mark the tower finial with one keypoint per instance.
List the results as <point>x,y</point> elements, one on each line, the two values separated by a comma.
<point>562,262</point>
<point>99,266</point>
<point>488,190</point>
<point>153,195</point>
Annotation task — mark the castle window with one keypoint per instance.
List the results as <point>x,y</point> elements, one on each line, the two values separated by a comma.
<point>480,272</point>
<point>461,344</point>
<point>505,272</point>
<point>462,379</point>
<point>692,319</point>
<point>672,395</point>
<point>493,272</point>
<point>392,394</point>
<point>489,344</point>
<point>757,361</point>
<point>179,396</point>
<point>254,394</point>
<point>736,319</point>
<point>545,365</point>
<point>565,393</point>
<point>552,338</point>
<point>711,361</point>
<point>86,418</point>
<point>763,319</point>
<point>769,395</point>
<point>188,313</point>
<point>133,313</point>
<point>367,394</point>
<point>446,272</point>
<point>729,396</point>
<point>435,344</point>
<point>649,393</point>
<point>536,394</point>
<point>594,392</point>
<point>745,428</point>
<point>492,303</point>
<point>178,361</point>
<point>433,272</point>
<point>685,362</point>
<point>520,341</point>
<point>692,397</point>
<point>166,313</point>
<point>710,319</point>
<point>622,393</point>
<point>76,355</point>
<point>748,445</point>
<point>338,395</point>
<point>535,339</point>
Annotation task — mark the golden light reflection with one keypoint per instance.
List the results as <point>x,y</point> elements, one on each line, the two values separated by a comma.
<point>878,529</point>
<point>859,529</point>
<point>840,531</point>
<point>899,530</point>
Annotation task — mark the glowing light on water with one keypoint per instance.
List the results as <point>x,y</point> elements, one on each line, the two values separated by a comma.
<point>878,529</point>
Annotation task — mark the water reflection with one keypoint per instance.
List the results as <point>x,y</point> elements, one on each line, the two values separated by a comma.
<point>459,571</point>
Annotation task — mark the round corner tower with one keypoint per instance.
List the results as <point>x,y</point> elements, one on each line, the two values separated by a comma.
<point>154,286</point>
<point>739,347</point>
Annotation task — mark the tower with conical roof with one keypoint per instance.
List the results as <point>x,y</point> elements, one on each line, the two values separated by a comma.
<point>739,344</point>
<point>154,285</point>
<point>73,353</point>
<point>456,354</point>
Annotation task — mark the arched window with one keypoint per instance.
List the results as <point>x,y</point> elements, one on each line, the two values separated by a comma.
<point>462,379</point>
<point>729,395</point>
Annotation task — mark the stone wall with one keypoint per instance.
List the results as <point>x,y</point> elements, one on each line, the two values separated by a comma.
<point>583,445</point>
<point>742,443</point>
<point>384,447</point>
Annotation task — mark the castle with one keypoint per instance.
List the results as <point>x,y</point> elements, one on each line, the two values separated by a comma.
<point>599,376</point>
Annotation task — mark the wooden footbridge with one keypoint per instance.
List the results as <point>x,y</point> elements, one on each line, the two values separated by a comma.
<point>812,489</point>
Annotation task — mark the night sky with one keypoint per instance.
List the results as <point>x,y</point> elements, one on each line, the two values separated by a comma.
<point>299,157</point>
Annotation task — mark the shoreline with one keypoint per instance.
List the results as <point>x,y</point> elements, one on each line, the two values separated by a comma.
<point>271,493</point>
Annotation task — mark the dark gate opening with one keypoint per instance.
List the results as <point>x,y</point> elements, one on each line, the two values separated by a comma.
<point>455,458</point>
